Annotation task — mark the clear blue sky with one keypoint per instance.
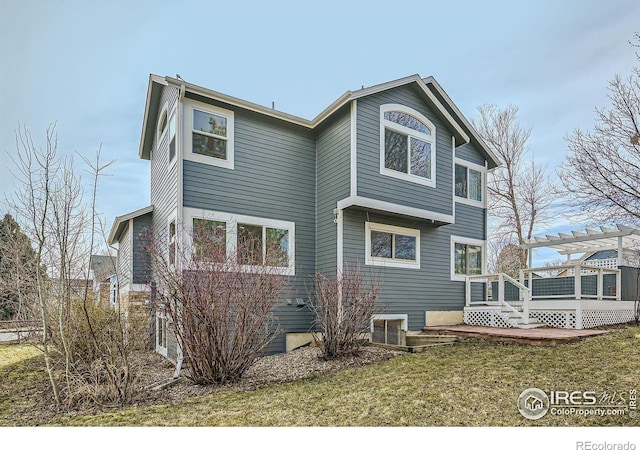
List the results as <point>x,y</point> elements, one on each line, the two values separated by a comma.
<point>85,64</point>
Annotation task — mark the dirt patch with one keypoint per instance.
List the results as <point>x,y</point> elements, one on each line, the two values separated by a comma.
<point>281,368</point>
<point>31,402</point>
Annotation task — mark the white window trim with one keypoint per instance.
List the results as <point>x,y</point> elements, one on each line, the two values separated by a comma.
<point>232,221</point>
<point>384,123</point>
<point>468,241</point>
<point>483,174</point>
<point>173,218</point>
<point>160,134</point>
<point>159,348</point>
<point>403,317</point>
<point>389,262</point>
<point>190,106</point>
<point>172,115</point>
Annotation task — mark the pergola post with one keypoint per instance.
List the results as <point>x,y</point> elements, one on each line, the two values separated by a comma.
<point>620,251</point>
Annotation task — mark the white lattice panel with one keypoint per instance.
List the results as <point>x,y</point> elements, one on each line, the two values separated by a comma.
<point>556,319</point>
<point>591,319</point>
<point>490,318</point>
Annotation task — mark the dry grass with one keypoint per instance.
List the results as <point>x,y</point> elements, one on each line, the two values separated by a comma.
<point>475,383</point>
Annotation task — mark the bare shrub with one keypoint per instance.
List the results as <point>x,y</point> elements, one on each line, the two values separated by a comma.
<point>219,301</point>
<point>99,345</point>
<point>343,309</point>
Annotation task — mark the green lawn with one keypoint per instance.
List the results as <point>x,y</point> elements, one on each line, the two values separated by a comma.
<point>475,383</point>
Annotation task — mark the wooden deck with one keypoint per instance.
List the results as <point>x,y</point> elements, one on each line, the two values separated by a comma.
<point>534,336</point>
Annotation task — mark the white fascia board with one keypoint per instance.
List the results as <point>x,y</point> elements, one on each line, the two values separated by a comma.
<point>239,102</point>
<point>462,118</point>
<point>152,79</point>
<point>124,218</point>
<point>333,107</point>
<point>414,79</point>
<point>394,208</point>
<point>327,112</point>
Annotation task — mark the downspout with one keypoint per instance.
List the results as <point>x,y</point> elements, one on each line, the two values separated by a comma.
<point>179,138</point>
<point>339,220</point>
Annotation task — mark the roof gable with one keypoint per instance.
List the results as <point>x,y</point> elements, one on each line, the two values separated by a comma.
<point>120,222</point>
<point>463,130</point>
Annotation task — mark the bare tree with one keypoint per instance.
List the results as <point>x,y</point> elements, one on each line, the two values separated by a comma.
<point>219,303</point>
<point>37,169</point>
<point>85,347</point>
<point>520,195</point>
<point>343,309</point>
<point>602,169</point>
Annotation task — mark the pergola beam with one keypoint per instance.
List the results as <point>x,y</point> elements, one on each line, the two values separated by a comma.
<point>591,240</point>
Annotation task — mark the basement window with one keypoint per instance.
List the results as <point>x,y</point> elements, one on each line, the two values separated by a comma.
<point>389,329</point>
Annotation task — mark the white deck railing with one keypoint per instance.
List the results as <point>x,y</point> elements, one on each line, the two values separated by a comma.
<point>524,293</point>
<point>577,271</point>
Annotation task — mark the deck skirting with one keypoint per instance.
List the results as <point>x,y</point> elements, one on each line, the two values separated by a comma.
<point>568,314</point>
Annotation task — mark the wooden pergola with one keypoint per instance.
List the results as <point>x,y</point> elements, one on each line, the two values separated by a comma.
<point>587,241</point>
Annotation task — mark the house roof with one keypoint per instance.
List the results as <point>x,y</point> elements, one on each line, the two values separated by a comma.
<point>588,241</point>
<point>120,222</point>
<point>102,266</point>
<point>463,131</point>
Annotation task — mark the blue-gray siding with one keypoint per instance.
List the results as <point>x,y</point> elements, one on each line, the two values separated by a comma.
<point>164,179</point>
<point>273,178</point>
<point>333,147</point>
<point>470,153</point>
<point>414,291</point>
<point>630,283</point>
<point>372,184</point>
<point>124,258</point>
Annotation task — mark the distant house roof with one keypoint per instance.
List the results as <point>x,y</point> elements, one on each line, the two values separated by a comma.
<point>120,222</point>
<point>463,131</point>
<point>102,266</point>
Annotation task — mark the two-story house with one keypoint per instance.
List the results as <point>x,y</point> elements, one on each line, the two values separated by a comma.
<point>391,177</point>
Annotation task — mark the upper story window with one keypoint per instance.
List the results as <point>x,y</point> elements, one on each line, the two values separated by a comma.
<point>210,134</point>
<point>407,145</point>
<point>469,182</point>
<point>172,137</point>
<point>391,246</point>
<point>162,124</point>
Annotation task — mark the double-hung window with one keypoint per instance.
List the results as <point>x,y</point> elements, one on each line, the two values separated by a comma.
<point>210,134</point>
<point>392,246</point>
<point>467,257</point>
<point>469,182</point>
<point>407,145</point>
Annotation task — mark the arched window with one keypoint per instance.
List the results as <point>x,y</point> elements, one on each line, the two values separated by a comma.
<point>407,148</point>
<point>162,124</point>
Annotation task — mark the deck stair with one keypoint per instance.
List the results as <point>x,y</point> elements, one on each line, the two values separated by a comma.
<point>513,315</point>
<point>502,310</point>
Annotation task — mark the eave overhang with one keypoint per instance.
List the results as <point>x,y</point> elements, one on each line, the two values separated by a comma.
<point>461,128</point>
<point>120,222</point>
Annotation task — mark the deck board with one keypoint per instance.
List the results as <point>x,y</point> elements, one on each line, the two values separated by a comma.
<point>534,336</point>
